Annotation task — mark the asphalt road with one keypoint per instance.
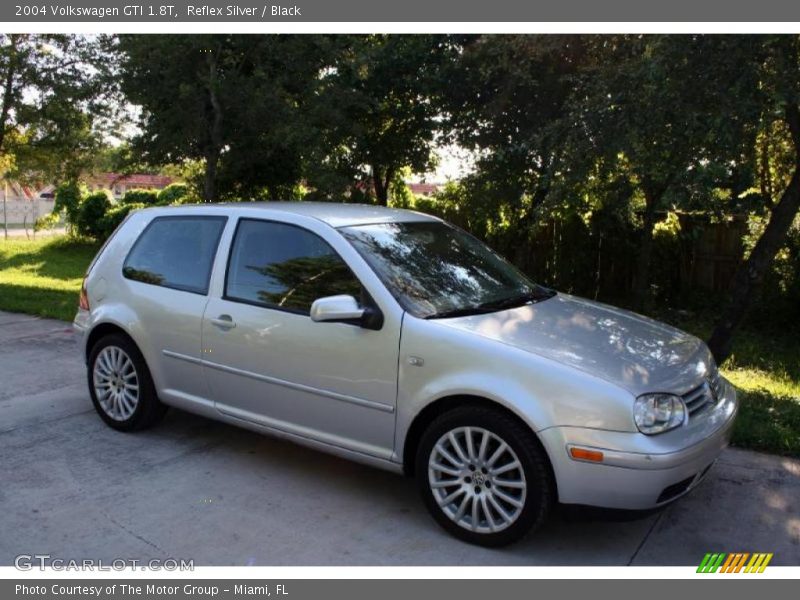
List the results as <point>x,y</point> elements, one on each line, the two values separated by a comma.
<point>192,488</point>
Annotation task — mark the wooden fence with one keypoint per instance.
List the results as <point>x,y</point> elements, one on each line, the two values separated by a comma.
<point>570,256</point>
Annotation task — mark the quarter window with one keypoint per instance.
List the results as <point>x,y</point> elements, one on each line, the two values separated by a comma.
<point>284,266</point>
<point>176,252</point>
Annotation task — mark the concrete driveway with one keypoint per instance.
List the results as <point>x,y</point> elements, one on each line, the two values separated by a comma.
<point>196,489</point>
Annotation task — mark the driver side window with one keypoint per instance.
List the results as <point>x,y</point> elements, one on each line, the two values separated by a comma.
<point>285,267</point>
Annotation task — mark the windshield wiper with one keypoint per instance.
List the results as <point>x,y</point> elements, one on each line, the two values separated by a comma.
<point>461,312</point>
<point>536,295</point>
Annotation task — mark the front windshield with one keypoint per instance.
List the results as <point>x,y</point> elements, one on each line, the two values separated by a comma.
<point>436,270</point>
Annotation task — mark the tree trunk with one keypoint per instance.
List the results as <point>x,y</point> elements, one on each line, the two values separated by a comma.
<point>641,275</point>
<point>750,275</point>
<point>8,91</point>
<point>214,133</point>
<point>210,177</point>
<point>381,184</point>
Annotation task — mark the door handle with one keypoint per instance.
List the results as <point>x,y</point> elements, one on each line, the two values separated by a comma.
<point>223,321</point>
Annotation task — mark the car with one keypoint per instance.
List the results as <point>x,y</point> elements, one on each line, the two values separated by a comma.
<point>392,338</point>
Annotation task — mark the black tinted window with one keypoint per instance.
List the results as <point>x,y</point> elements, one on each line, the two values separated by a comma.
<point>284,266</point>
<point>176,252</point>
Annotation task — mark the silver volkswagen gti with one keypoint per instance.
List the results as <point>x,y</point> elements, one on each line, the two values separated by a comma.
<point>392,338</point>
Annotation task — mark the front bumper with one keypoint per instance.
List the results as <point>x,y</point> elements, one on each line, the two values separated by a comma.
<point>639,471</point>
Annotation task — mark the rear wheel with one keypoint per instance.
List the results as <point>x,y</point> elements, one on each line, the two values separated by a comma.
<point>120,385</point>
<point>483,476</point>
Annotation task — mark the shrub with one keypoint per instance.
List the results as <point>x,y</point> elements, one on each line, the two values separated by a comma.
<point>116,215</point>
<point>149,197</point>
<point>91,212</point>
<point>68,199</point>
<point>47,221</point>
<point>175,193</point>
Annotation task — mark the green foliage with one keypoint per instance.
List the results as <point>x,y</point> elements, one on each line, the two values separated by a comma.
<point>377,110</point>
<point>669,228</point>
<point>91,213</point>
<point>175,193</point>
<point>233,103</point>
<point>115,215</point>
<point>68,198</point>
<point>47,222</point>
<point>149,197</point>
<point>53,94</point>
<point>400,195</point>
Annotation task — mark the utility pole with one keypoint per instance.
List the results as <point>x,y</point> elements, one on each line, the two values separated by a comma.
<point>5,217</point>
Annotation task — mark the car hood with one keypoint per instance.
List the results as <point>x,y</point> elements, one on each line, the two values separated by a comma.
<point>632,351</point>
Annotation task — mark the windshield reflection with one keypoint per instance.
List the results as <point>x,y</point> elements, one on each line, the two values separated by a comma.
<point>434,269</point>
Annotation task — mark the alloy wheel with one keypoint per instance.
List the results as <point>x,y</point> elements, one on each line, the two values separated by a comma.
<point>477,479</point>
<point>116,383</point>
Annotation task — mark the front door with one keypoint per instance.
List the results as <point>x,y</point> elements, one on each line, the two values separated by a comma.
<point>266,360</point>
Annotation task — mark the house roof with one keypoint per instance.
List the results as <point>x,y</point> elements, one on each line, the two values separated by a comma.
<point>424,189</point>
<point>134,179</point>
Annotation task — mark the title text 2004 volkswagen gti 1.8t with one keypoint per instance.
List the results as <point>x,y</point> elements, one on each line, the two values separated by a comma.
<point>392,338</point>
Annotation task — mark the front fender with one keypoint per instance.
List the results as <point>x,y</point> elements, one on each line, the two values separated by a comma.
<point>436,362</point>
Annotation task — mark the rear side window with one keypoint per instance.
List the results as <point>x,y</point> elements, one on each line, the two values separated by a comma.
<point>285,267</point>
<point>176,252</point>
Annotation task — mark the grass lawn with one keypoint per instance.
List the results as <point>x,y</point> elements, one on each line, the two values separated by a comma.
<point>43,278</point>
<point>765,368</point>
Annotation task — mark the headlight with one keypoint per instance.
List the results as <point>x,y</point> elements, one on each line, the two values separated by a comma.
<point>655,413</point>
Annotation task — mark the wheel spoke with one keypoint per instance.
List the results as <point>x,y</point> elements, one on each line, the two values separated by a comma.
<point>506,483</point>
<point>500,510</point>
<point>457,447</point>
<point>484,445</point>
<point>497,454</point>
<point>462,508</point>
<point>506,498</point>
<point>475,521</point>
<point>449,457</point>
<point>450,497</point>
<point>105,363</point>
<point>443,483</point>
<point>444,469</point>
<point>514,464</point>
<point>128,401</point>
<point>470,445</point>
<point>488,513</point>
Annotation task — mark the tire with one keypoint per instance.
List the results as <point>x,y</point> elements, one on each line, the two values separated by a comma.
<point>483,479</point>
<point>120,385</point>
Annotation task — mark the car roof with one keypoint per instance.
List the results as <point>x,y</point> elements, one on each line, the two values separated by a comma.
<point>335,214</point>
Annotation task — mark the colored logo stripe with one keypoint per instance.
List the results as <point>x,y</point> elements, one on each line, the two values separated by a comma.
<point>735,562</point>
<point>758,563</point>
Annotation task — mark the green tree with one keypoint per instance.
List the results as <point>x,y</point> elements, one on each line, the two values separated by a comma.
<point>377,110</point>
<point>651,108</point>
<point>514,101</point>
<point>51,96</point>
<point>777,69</point>
<point>233,102</point>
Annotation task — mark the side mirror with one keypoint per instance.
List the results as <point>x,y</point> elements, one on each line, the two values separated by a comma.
<point>337,309</point>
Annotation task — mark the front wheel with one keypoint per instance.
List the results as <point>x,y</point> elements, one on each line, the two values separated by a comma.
<point>483,476</point>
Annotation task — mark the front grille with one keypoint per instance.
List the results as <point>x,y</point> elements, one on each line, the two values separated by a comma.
<point>704,396</point>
